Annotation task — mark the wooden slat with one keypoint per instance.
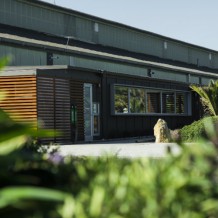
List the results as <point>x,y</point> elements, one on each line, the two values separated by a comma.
<point>54,106</point>
<point>20,100</point>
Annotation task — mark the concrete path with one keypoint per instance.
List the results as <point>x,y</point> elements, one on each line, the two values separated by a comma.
<point>120,149</point>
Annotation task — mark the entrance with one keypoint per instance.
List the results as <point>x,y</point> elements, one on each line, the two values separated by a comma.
<point>88,119</point>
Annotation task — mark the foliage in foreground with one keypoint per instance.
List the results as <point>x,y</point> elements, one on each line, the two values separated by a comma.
<point>195,131</point>
<point>176,186</point>
<point>50,186</point>
<point>209,97</point>
<point>44,185</point>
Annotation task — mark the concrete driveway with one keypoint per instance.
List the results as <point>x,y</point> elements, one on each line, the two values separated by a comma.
<point>120,149</point>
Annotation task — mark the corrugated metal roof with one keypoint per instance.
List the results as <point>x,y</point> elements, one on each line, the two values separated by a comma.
<point>114,23</point>
<point>101,54</point>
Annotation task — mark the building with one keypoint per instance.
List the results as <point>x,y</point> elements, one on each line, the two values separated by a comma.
<point>96,79</point>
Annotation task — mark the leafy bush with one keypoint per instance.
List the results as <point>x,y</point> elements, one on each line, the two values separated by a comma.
<point>46,185</point>
<point>208,96</point>
<point>19,194</point>
<point>176,186</point>
<point>195,131</point>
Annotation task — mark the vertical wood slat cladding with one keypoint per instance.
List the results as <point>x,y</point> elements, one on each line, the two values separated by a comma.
<point>53,96</point>
<point>20,100</point>
<point>45,104</point>
<point>78,99</point>
<point>62,109</point>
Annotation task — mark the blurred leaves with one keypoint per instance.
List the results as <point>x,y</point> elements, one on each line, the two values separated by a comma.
<point>13,136</point>
<point>209,96</point>
<point>13,195</point>
<point>40,185</point>
<point>4,61</point>
<point>12,144</point>
<point>97,201</point>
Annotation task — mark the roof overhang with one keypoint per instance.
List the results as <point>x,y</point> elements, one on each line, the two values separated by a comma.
<point>29,70</point>
<point>101,54</point>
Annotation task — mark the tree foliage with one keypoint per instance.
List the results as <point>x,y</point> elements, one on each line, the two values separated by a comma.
<point>209,97</point>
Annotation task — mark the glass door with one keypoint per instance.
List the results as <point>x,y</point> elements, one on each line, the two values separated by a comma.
<point>88,119</point>
<point>96,119</point>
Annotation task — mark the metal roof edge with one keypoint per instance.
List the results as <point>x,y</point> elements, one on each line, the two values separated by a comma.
<point>105,55</point>
<point>57,7</point>
<point>28,70</point>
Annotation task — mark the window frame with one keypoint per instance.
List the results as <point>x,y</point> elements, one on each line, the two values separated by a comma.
<point>129,100</point>
<point>187,101</point>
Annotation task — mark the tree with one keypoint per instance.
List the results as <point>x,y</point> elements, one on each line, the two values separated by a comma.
<point>209,96</point>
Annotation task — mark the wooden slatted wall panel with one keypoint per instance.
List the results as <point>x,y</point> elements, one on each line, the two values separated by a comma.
<point>78,100</point>
<point>62,109</point>
<point>53,96</point>
<point>45,105</point>
<point>20,101</point>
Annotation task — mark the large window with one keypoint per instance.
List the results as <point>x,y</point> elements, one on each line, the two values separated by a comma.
<point>180,103</point>
<point>121,99</point>
<point>129,100</point>
<point>153,99</point>
<point>168,102</point>
<point>135,100</point>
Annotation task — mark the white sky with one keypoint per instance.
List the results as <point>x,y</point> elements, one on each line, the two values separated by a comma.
<point>193,21</point>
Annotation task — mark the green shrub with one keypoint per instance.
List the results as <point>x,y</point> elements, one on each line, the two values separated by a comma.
<point>20,196</point>
<point>45,185</point>
<point>176,186</point>
<point>172,187</point>
<point>195,131</point>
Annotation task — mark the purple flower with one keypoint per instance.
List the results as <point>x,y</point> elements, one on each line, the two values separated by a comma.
<point>56,158</point>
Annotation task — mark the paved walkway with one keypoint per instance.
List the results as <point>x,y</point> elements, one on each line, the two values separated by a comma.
<point>127,149</point>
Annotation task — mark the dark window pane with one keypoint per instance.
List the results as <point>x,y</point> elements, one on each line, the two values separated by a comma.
<point>180,103</point>
<point>137,100</point>
<point>96,125</point>
<point>168,103</point>
<point>121,99</point>
<point>153,101</point>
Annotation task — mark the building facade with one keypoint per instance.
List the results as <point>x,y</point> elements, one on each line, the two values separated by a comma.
<point>92,78</point>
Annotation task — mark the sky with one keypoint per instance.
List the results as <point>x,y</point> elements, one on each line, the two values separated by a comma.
<point>192,21</point>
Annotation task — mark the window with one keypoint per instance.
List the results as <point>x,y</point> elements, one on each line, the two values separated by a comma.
<point>153,99</point>
<point>135,100</point>
<point>129,100</point>
<point>168,103</point>
<point>180,103</point>
<point>121,99</point>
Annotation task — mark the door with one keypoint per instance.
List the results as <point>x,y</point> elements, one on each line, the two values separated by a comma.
<point>96,119</point>
<point>88,118</point>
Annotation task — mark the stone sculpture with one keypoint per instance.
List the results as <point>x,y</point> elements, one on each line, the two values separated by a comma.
<point>162,132</point>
